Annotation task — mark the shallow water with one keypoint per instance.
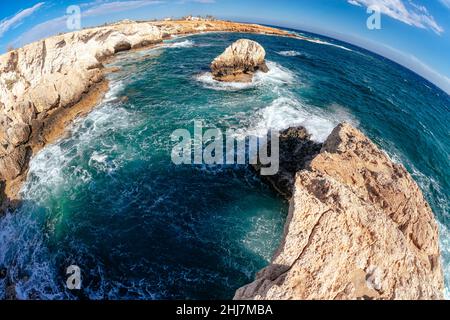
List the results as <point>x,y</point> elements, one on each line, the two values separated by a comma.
<point>109,199</point>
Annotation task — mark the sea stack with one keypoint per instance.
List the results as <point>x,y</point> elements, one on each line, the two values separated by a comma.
<point>239,62</point>
<point>358,228</point>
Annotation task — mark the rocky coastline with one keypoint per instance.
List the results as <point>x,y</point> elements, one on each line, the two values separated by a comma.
<point>46,84</point>
<point>358,225</point>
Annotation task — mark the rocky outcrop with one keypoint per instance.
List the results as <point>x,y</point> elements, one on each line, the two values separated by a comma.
<point>239,62</point>
<point>46,79</point>
<point>50,75</point>
<point>358,228</point>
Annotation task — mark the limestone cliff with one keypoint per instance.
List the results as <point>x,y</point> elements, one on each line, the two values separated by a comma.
<point>239,62</point>
<point>45,80</point>
<point>358,228</point>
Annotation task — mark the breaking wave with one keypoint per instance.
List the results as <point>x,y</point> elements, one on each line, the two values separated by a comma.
<point>180,44</point>
<point>287,112</point>
<point>289,53</point>
<point>277,75</point>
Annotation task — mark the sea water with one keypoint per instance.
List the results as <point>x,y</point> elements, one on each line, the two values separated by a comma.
<point>109,200</point>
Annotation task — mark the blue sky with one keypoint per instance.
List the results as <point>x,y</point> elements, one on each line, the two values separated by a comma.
<point>415,33</point>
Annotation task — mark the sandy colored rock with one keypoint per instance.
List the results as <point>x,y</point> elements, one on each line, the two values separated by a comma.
<point>12,164</point>
<point>358,228</point>
<point>18,134</point>
<point>239,62</point>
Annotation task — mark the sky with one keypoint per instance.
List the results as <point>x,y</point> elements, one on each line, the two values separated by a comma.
<point>414,33</point>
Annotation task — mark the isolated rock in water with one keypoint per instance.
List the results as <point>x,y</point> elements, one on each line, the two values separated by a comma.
<point>239,62</point>
<point>358,228</point>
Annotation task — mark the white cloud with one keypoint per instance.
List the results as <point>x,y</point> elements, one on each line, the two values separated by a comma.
<point>89,9</point>
<point>106,7</point>
<point>16,20</point>
<point>197,1</point>
<point>445,3</point>
<point>354,2</point>
<point>40,31</point>
<point>406,12</point>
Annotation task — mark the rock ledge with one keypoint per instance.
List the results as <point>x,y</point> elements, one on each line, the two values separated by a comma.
<point>358,228</point>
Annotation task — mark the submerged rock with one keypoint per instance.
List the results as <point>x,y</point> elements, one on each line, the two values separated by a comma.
<point>239,62</point>
<point>358,228</point>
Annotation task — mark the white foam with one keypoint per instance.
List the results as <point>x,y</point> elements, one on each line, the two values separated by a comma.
<point>51,168</point>
<point>287,112</point>
<point>318,41</point>
<point>444,233</point>
<point>114,89</point>
<point>209,83</point>
<point>180,44</point>
<point>329,44</point>
<point>23,250</point>
<point>277,75</point>
<point>289,53</point>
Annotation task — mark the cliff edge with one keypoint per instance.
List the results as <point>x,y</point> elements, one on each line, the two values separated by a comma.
<point>358,228</point>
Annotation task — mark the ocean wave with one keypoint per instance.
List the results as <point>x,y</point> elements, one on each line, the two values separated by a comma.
<point>24,252</point>
<point>277,75</point>
<point>444,233</point>
<point>329,44</point>
<point>287,112</point>
<point>289,53</point>
<point>180,44</point>
<point>53,167</point>
<point>210,83</point>
<point>318,41</point>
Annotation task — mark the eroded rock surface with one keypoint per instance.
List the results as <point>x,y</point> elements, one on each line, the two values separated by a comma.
<point>358,228</point>
<point>239,62</point>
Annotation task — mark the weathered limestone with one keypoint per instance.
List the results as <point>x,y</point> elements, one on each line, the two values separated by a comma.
<point>239,62</point>
<point>358,228</point>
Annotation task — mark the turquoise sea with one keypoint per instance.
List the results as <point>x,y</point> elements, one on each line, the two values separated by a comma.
<point>109,200</point>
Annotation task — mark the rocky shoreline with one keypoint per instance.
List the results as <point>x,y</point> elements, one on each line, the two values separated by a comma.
<point>358,225</point>
<point>46,84</point>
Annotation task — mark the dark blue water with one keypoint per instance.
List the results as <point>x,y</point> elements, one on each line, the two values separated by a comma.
<point>109,199</point>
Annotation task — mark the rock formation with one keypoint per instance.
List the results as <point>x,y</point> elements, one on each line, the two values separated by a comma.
<point>358,228</point>
<point>239,62</point>
<point>47,79</point>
